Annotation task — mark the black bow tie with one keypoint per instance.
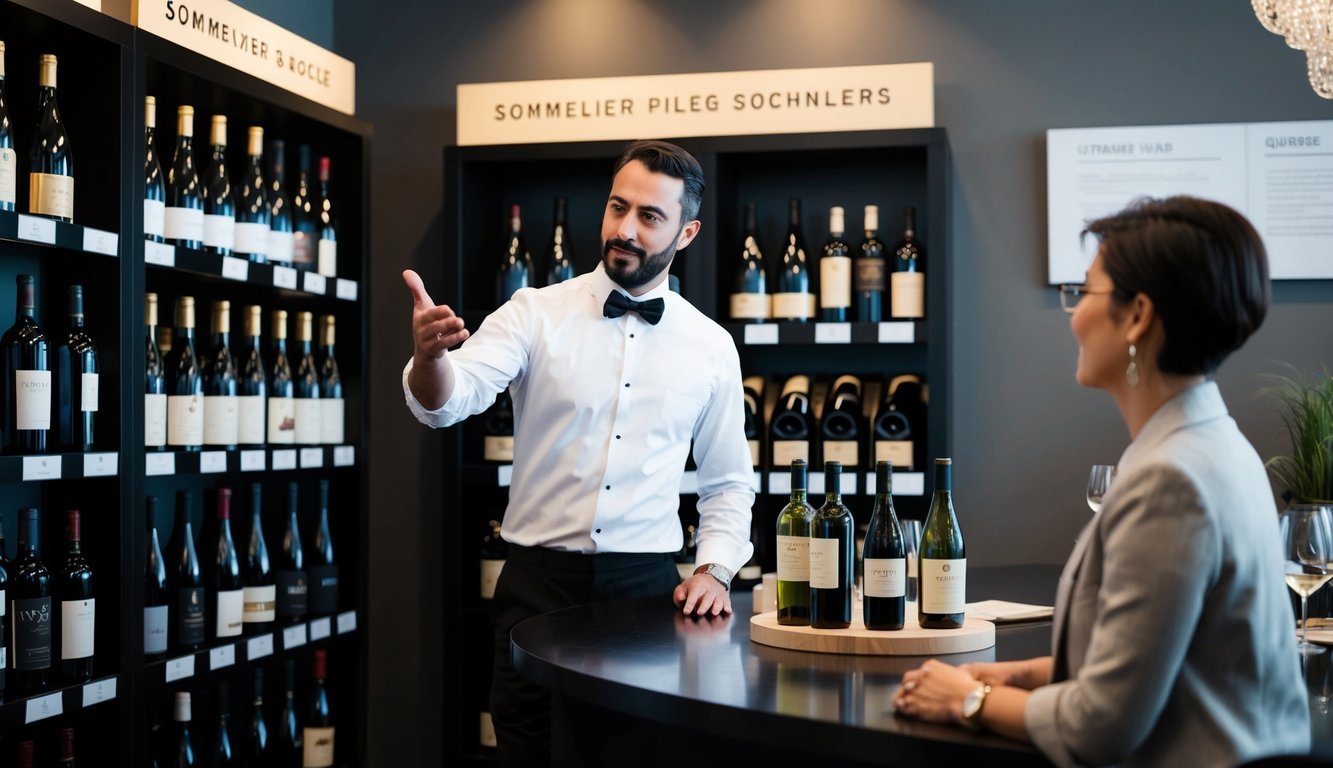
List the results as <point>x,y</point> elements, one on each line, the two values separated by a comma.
<point>618,304</point>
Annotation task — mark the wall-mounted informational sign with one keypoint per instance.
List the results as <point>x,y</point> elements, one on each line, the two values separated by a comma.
<point>700,104</point>
<point>238,38</point>
<point>1280,175</point>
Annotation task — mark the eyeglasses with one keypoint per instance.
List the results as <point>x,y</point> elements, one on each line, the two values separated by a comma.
<point>1071,294</point>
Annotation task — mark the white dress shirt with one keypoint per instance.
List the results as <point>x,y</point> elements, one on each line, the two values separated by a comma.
<point>604,414</point>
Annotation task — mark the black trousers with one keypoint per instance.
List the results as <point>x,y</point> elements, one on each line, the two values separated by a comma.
<point>536,581</point>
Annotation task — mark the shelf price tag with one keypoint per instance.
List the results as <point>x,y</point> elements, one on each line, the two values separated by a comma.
<point>235,269</point>
<point>689,482</point>
<point>100,691</point>
<point>765,333</point>
<point>503,475</point>
<point>344,455</point>
<point>284,277</point>
<point>223,656</point>
<point>100,241</point>
<point>346,622</point>
<point>320,629</point>
<point>42,707</point>
<point>160,464</point>
<point>37,229</point>
<point>259,647</point>
<point>100,464</point>
<point>312,458</point>
<point>284,458</point>
<point>253,460</point>
<point>212,461</point>
<point>779,483</point>
<point>293,637</point>
<point>315,283</point>
<point>161,254</point>
<point>41,468</point>
<point>909,483</point>
<point>346,289</point>
<point>180,668</point>
<point>899,332</point>
<point>833,333</point>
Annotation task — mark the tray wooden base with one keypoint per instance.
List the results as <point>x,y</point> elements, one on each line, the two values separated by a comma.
<point>911,640</point>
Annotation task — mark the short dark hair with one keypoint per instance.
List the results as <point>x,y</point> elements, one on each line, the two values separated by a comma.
<point>1203,265</point>
<point>663,157</point>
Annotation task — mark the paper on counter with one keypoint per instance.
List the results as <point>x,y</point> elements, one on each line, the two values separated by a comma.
<point>1002,611</point>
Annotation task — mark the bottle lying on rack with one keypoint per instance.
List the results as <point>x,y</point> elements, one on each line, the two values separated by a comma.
<point>750,301</point>
<point>155,187</point>
<point>792,426</point>
<point>75,588</point>
<point>753,391</point>
<point>842,425</point>
<point>899,430</point>
<point>219,206</point>
<point>51,162</point>
<point>9,169</point>
<point>27,376</point>
<point>184,222</point>
<point>76,379</point>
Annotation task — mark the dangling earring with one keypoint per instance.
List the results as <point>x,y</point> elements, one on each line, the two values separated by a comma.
<point>1132,372</point>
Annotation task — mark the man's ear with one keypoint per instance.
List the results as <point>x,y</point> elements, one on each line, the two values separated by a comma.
<point>688,233</point>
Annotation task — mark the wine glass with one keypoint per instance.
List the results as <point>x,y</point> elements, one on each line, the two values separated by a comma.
<point>1099,482</point>
<point>911,543</point>
<point>1307,541</point>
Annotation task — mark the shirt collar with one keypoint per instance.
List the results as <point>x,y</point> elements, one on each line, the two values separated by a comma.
<point>602,285</point>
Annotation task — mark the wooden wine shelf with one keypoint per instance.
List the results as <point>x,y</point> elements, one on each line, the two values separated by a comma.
<point>911,640</point>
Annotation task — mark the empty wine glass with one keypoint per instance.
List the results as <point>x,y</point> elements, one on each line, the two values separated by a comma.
<point>1099,482</point>
<point>911,544</point>
<point>1307,541</point>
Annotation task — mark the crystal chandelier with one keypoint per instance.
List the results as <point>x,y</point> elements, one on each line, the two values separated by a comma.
<point>1306,25</point>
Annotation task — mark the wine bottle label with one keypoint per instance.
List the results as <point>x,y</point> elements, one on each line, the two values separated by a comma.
<point>9,172</point>
<point>302,249</point>
<point>190,616</point>
<point>183,224</point>
<point>787,451</point>
<point>185,420</point>
<point>847,452</point>
<point>154,218</point>
<point>154,420</point>
<point>331,420</point>
<point>282,420</point>
<point>490,575</point>
<point>328,258</point>
<point>907,294</point>
<point>77,619</point>
<point>754,453</point>
<point>317,748</point>
<point>32,633</point>
<point>230,609</point>
<point>323,589</point>
<point>308,427</point>
<point>281,247</point>
<point>32,396</point>
<point>824,569</point>
<point>249,237</point>
<point>220,420</point>
<point>293,593</point>
<point>869,274</point>
<point>885,577</point>
<point>219,231</point>
<point>88,397</point>
<point>259,604</point>
<point>897,451</point>
<point>51,195</point>
<point>499,447</point>
<point>835,281</point>
<point>793,305</point>
<point>751,306</point>
<point>250,419</point>
<point>155,629</point>
<point>943,585</point>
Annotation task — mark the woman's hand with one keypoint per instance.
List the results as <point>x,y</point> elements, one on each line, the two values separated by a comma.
<point>934,692</point>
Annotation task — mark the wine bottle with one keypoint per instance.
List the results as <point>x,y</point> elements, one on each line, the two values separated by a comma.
<point>9,164</point>
<point>155,187</point>
<point>219,206</point>
<point>332,413</point>
<point>842,424</point>
<point>559,251</point>
<point>30,605</point>
<point>792,423</point>
<point>184,222</point>
<point>750,301</point>
<point>831,566</point>
<point>885,559</point>
<point>907,284</point>
<point>792,299</point>
<point>899,428</point>
<point>515,261</point>
<point>155,387</point>
<point>280,224</point>
<point>288,749</point>
<point>75,588</point>
<point>252,209</point>
<point>257,748</point>
<point>223,755</point>
<point>309,408</point>
<point>323,566</point>
<point>27,377</point>
<point>6,632</point>
<point>498,425</point>
<point>155,595</point>
<point>869,267</point>
<point>51,166</point>
<point>259,595</point>
<point>327,250</point>
<point>67,758</point>
<point>793,546</point>
<point>305,224</point>
<point>252,385</point>
<point>185,385</point>
<point>290,574</point>
<point>221,409</point>
<point>186,581</point>
<point>282,390</point>
<point>753,390</point>
<point>942,561</point>
<point>494,551</point>
<point>184,746</point>
<point>76,380</point>
<point>317,736</point>
<point>225,589</point>
<point>25,753</point>
<point>835,271</point>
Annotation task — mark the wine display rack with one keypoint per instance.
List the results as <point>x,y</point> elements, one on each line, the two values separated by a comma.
<point>105,70</point>
<point>891,169</point>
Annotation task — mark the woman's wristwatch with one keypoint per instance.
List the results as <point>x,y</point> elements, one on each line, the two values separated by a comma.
<point>972,704</point>
<point>717,571</point>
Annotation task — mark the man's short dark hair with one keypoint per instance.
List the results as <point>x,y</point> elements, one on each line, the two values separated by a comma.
<point>664,157</point>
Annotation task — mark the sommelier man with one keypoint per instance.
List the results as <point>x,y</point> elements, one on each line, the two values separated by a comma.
<point>612,376</point>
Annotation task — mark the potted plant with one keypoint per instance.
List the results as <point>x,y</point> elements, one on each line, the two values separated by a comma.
<point>1306,406</point>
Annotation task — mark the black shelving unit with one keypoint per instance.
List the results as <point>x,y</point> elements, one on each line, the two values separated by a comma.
<point>892,169</point>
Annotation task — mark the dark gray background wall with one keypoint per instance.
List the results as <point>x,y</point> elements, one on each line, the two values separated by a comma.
<point>1024,433</point>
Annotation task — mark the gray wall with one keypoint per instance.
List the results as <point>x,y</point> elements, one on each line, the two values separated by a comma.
<point>1024,433</point>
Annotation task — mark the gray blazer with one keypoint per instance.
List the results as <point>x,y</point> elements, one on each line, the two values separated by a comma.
<point>1174,641</point>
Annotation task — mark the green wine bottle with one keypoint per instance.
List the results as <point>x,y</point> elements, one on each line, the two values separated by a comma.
<point>943,559</point>
<point>831,556</point>
<point>793,548</point>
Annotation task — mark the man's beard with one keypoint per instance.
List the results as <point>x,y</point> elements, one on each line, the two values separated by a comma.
<point>649,266</point>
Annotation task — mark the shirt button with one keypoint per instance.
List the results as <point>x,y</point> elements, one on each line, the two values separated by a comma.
<point>599,530</point>
<point>608,487</point>
<point>631,335</point>
<point>617,437</point>
<point>627,385</point>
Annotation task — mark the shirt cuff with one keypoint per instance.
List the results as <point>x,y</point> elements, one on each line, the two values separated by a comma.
<point>431,418</point>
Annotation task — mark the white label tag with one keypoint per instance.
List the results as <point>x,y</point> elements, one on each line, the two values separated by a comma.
<point>833,333</point>
<point>159,464</point>
<point>37,229</point>
<point>253,461</point>
<point>41,468</point>
<point>320,629</point>
<point>347,289</point>
<point>909,483</point>
<point>897,333</point>
<point>212,461</point>
<point>100,241</point>
<point>180,668</point>
<point>293,637</point>
<point>344,456</point>
<point>764,333</point>
<point>50,705</point>
<point>779,483</point>
<point>161,254</point>
<point>284,277</point>
<point>504,475</point>
<point>88,382</point>
<point>223,656</point>
<point>259,647</point>
<point>235,269</point>
<point>100,464</point>
<point>315,283</point>
<point>98,692</point>
<point>284,459</point>
<point>312,458</point>
<point>346,622</point>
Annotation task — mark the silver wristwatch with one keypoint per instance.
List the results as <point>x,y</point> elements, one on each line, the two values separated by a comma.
<point>717,571</point>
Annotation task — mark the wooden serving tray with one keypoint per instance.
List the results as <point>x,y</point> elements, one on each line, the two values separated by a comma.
<point>911,640</point>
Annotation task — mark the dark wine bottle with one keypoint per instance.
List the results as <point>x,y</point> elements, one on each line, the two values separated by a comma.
<point>831,556</point>
<point>156,595</point>
<point>317,736</point>
<point>184,753</point>
<point>155,186</point>
<point>792,424</point>
<point>907,284</point>
<point>305,224</point>
<point>219,205</point>
<point>27,377</point>
<point>309,408</point>
<point>753,391</point>
<point>252,209</point>
<point>223,754</point>
<point>25,753</point>
<point>67,757</point>
<point>884,582</point>
<point>9,164</point>
<point>76,380</point>
<point>280,224</point>
<point>842,425</point>
<point>559,251</point>
<point>257,752</point>
<point>332,412</point>
<point>282,390</point>
<point>186,581</point>
<point>51,163</point>
<point>184,223</point>
<point>185,385</point>
<point>498,425</point>
<point>30,606</point>
<point>868,280</point>
<point>494,552</point>
<point>290,574</point>
<point>515,262</point>
<point>155,386</point>
<point>326,252</point>
<point>899,429</point>
<point>793,548</point>
<point>75,588</point>
<point>323,566</point>
<point>792,299</point>
<point>221,415</point>
<point>225,588</point>
<point>942,562</point>
<point>252,385</point>
<point>835,271</point>
<point>750,301</point>
<point>6,631</point>
<point>288,749</point>
<point>259,595</point>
